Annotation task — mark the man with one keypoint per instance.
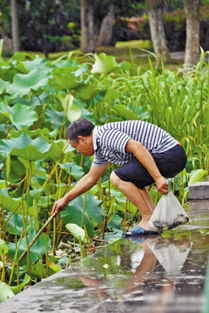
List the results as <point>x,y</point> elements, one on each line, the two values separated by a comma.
<point>147,154</point>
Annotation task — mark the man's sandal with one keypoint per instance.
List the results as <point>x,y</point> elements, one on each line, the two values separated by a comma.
<point>139,231</point>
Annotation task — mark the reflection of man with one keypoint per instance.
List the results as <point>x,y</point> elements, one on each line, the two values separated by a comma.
<point>147,154</point>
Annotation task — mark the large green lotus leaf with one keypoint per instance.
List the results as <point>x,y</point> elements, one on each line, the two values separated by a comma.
<point>17,223</point>
<point>34,64</point>
<point>73,169</point>
<point>87,92</point>
<point>124,112</point>
<point>71,109</point>
<point>30,149</point>
<point>54,117</point>
<point>24,83</point>
<point>3,247</point>
<point>73,213</point>
<point>5,292</point>
<point>15,170</point>
<point>77,232</point>
<point>41,246</point>
<point>66,78</point>
<point>93,208</point>
<point>103,63</point>
<point>16,205</point>
<point>23,116</point>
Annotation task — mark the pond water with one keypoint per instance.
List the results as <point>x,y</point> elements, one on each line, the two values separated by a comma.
<point>157,274</point>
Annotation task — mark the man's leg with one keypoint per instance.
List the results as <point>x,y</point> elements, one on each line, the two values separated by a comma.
<point>139,197</point>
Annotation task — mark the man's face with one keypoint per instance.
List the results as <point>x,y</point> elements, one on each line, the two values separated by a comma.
<point>84,145</point>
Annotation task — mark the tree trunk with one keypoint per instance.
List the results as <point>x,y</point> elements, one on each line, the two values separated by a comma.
<point>192,8</point>
<point>105,34</point>
<point>155,13</point>
<point>15,27</point>
<point>87,26</point>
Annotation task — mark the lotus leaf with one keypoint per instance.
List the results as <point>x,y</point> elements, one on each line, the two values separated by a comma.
<point>5,292</point>
<point>103,63</point>
<point>17,223</point>
<point>41,246</point>
<point>24,83</point>
<point>74,214</point>
<point>16,205</point>
<point>66,78</point>
<point>30,149</point>
<point>77,232</point>
<point>93,213</point>
<point>19,287</point>
<point>72,169</point>
<point>34,64</point>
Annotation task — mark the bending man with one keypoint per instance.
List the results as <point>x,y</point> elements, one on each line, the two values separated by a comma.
<point>147,154</point>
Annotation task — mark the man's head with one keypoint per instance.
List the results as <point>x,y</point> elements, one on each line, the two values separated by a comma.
<point>79,135</point>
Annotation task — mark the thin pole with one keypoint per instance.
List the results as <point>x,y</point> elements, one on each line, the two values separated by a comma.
<point>36,237</point>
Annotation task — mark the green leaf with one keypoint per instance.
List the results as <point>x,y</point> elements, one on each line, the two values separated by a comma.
<point>77,232</point>
<point>41,246</point>
<point>71,109</point>
<point>23,116</point>
<point>124,112</point>
<point>24,83</point>
<point>103,63</point>
<point>72,169</point>
<point>16,224</point>
<point>30,149</point>
<point>18,288</point>
<point>87,92</point>
<point>5,292</point>
<point>3,247</point>
<point>67,78</point>
<point>16,205</point>
<point>73,213</point>
<point>197,176</point>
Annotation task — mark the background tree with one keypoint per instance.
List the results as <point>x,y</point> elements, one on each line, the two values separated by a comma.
<point>192,11</point>
<point>15,26</point>
<point>155,13</point>
<point>87,26</point>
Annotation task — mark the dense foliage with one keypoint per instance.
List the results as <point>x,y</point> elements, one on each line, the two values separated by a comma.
<point>38,100</point>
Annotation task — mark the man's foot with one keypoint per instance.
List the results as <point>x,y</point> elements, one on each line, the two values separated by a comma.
<point>139,231</point>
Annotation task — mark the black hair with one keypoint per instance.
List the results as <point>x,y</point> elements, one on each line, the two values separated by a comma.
<point>81,127</point>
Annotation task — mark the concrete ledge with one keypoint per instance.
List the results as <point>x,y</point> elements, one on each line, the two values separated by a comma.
<point>199,191</point>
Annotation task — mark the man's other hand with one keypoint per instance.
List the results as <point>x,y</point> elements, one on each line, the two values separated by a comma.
<point>162,185</point>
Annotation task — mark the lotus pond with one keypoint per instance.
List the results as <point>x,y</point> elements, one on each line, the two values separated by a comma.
<point>39,98</point>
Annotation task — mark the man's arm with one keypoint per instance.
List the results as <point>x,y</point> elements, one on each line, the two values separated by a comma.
<point>146,159</point>
<point>84,184</point>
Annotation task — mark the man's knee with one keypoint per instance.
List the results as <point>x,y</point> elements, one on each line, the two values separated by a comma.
<point>114,179</point>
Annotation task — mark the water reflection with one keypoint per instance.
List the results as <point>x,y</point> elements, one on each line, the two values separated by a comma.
<point>144,276</point>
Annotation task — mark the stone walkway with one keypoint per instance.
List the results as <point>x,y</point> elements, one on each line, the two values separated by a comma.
<point>154,275</point>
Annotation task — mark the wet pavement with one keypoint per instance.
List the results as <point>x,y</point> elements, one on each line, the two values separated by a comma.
<point>158,274</point>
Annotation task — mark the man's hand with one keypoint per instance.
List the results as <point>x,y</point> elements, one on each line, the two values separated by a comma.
<point>162,184</point>
<point>59,204</point>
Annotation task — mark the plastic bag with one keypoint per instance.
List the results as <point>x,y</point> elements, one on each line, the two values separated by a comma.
<point>168,214</point>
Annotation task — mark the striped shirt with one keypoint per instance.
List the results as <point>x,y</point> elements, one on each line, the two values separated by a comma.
<point>110,140</point>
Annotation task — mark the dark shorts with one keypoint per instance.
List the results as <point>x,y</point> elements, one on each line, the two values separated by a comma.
<point>169,163</point>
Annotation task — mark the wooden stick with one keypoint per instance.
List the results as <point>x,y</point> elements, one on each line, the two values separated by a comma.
<point>37,235</point>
